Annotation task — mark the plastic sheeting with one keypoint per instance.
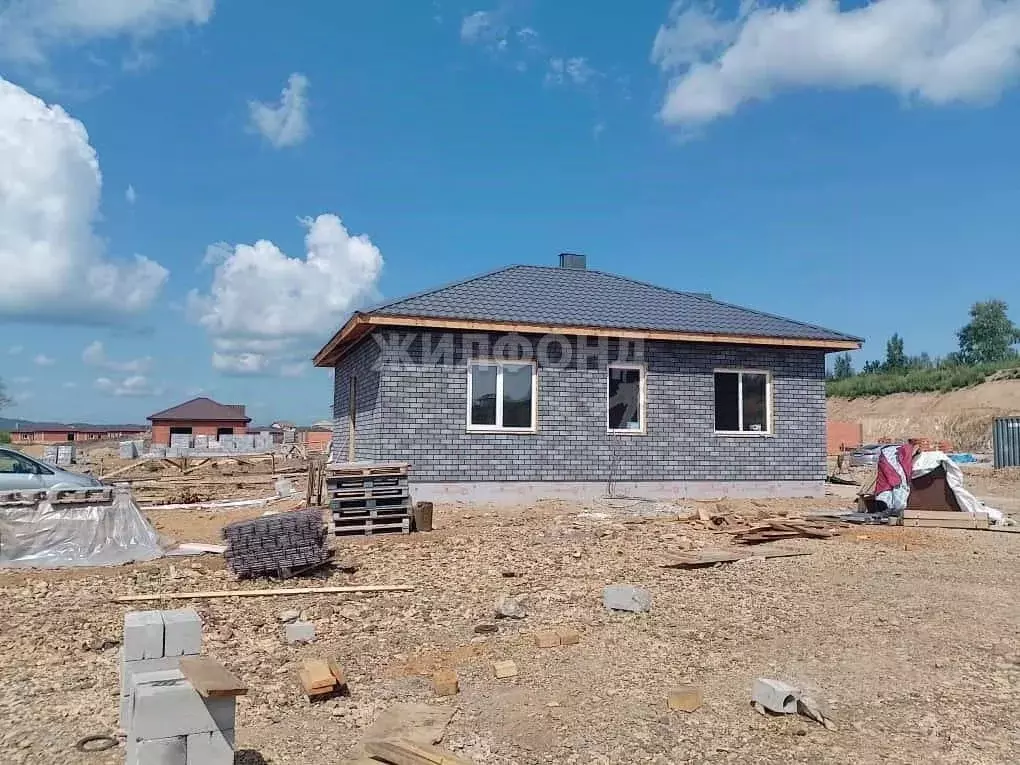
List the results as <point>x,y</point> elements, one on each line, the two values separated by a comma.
<point>57,535</point>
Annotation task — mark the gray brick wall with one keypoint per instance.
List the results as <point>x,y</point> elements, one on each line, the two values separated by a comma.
<point>417,412</point>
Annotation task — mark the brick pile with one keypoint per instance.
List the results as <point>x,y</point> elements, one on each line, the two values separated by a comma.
<point>276,545</point>
<point>167,721</point>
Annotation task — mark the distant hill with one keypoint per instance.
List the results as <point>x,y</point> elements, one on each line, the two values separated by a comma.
<point>7,424</point>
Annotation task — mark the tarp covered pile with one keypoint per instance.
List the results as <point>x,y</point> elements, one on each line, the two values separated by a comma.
<point>898,466</point>
<point>51,533</point>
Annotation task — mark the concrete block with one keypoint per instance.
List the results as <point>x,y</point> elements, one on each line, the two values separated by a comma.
<point>182,635</point>
<point>163,751</point>
<point>213,748</point>
<point>300,632</point>
<point>143,635</point>
<point>283,487</point>
<point>504,669</point>
<point>775,695</point>
<point>169,706</point>
<point>129,670</point>
<point>625,597</point>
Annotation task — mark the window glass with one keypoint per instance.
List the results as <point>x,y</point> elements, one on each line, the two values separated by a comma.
<point>624,399</point>
<point>517,395</point>
<point>727,392</point>
<point>483,394</point>
<point>755,393</point>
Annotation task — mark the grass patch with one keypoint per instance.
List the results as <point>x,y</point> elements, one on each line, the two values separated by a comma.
<point>934,380</point>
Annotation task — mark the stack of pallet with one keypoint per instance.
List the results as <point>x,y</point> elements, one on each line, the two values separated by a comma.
<point>277,545</point>
<point>368,498</point>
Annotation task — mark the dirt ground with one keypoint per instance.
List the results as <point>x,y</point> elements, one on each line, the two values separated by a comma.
<point>911,636</point>
<point>963,417</point>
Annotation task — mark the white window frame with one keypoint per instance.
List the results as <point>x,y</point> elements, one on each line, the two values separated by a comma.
<point>498,427</point>
<point>644,422</point>
<point>769,424</point>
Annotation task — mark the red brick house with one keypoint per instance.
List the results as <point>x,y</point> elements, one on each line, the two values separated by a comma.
<point>56,433</point>
<point>199,417</point>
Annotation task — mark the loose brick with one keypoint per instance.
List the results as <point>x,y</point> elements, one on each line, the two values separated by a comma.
<point>568,635</point>
<point>685,698</point>
<point>547,639</point>
<point>445,683</point>
<point>504,669</point>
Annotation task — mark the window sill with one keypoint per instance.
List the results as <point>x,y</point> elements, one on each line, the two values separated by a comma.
<point>622,432</point>
<point>511,431</point>
<point>744,433</point>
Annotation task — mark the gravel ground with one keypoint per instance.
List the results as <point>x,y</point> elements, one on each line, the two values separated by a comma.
<point>911,636</point>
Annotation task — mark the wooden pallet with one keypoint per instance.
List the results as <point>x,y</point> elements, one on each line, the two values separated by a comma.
<point>339,483</point>
<point>371,527</point>
<point>348,469</point>
<point>371,503</point>
<point>394,513</point>
<point>369,492</point>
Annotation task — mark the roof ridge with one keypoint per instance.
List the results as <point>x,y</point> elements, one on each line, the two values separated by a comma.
<point>457,283</point>
<point>705,298</point>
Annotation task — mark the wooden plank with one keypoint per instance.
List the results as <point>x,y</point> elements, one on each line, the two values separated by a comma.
<point>404,752</point>
<point>126,468</point>
<point>704,558</point>
<point>264,593</point>
<point>210,678</point>
<point>942,515</point>
<point>944,524</point>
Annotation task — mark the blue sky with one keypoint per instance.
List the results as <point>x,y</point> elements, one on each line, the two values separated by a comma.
<point>847,165</point>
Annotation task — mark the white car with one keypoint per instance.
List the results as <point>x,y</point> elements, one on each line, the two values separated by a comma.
<point>19,472</point>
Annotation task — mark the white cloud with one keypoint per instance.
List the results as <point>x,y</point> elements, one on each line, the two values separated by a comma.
<point>265,309</point>
<point>43,360</point>
<point>95,355</point>
<point>938,51</point>
<point>284,124</point>
<point>130,195</point>
<point>15,350</point>
<point>28,28</point>
<point>54,265</point>
<point>482,26</point>
<point>133,386</point>
<point>570,71</point>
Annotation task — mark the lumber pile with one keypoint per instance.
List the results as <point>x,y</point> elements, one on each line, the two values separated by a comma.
<point>783,528</point>
<point>322,679</point>
<point>945,519</point>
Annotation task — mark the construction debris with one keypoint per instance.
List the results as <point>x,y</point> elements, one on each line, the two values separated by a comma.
<point>626,597</point>
<point>710,557</point>
<point>781,698</point>
<point>445,683</point>
<point>322,679</point>
<point>504,669</point>
<point>685,698</point>
<point>299,632</point>
<point>277,545</point>
<point>945,519</point>
<point>510,607</point>
<point>264,593</point>
<point>404,752</point>
<point>783,528</point>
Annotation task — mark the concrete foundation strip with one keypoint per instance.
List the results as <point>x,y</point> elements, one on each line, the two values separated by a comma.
<point>264,593</point>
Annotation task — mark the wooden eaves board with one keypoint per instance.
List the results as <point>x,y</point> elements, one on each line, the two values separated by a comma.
<point>361,324</point>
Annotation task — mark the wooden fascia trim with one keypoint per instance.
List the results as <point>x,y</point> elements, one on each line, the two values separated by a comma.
<point>362,323</point>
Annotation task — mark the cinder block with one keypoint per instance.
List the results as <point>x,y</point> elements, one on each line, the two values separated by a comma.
<point>214,748</point>
<point>182,634</point>
<point>162,708</point>
<point>129,670</point>
<point>163,751</point>
<point>143,635</point>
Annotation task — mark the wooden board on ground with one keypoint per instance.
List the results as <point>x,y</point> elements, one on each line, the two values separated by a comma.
<point>708,557</point>
<point>316,677</point>
<point>210,678</point>
<point>404,752</point>
<point>418,723</point>
<point>264,593</point>
<point>921,518</point>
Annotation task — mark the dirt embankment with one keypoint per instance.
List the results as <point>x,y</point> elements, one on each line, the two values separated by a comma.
<point>962,417</point>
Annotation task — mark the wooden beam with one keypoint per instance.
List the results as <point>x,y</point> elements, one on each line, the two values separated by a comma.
<point>263,593</point>
<point>404,752</point>
<point>210,678</point>
<point>360,324</point>
<point>126,468</point>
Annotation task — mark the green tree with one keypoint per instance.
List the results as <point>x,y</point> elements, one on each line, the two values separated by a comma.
<point>895,357</point>
<point>842,367</point>
<point>5,437</point>
<point>989,337</point>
